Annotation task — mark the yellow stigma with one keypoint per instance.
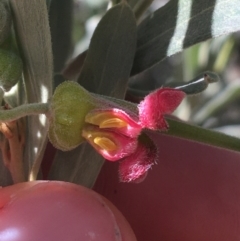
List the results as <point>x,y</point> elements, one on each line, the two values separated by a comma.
<point>105,120</point>
<point>105,143</point>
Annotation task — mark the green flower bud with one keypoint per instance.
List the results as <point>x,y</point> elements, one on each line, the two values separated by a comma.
<point>11,67</point>
<point>69,106</point>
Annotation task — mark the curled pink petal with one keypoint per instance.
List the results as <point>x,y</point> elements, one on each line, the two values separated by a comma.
<point>155,105</point>
<point>111,145</point>
<point>114,119</point>
<point>134,168</point>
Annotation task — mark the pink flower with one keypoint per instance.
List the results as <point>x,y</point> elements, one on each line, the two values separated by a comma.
<point>109,143</point>
<point>117,132</point>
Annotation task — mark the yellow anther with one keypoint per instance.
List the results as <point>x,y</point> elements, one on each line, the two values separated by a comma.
<point>113,123</point>
<point>105,143</point>
<point>97,118</point>
<point>105,120</point>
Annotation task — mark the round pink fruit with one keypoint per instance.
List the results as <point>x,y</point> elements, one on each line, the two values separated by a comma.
<point>59,211</point>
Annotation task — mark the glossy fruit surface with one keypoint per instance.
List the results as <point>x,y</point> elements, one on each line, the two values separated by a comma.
<point>49,210</point>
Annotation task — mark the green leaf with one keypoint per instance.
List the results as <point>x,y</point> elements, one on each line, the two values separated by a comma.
<point>60,21</point>
<point>34,41</point>
<point>105,71</point>
<point>109,59</point>
<point>181,24</point>
<point>201,135</point>
<point>192,87</point>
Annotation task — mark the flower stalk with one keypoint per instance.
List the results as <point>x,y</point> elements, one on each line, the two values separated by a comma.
<point>7,115</point>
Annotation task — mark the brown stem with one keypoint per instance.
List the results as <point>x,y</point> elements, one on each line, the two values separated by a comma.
<point>12,148</point>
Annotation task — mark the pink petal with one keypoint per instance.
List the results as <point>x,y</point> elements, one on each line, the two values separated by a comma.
<point>111,145</point>
<point>156,105</point>
<point>101,118</point>
<point>134,168</point>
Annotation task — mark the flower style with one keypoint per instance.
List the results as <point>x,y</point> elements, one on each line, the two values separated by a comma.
<point>115,128</point>
<point>118,134</point>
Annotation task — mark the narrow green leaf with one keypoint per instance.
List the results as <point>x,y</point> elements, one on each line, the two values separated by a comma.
<point>201,135</point>
<point>61,22</point>
<point>181,24</point>
<point>34,40</point>
<point>110,55</point>
<point>105,71</point>
<point>192,87</point>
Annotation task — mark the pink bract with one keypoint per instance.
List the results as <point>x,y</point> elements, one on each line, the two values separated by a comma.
<point>155,105</point>
<point>134,168</point>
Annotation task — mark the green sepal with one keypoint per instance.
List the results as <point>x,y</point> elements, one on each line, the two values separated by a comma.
<point>69,106</point>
